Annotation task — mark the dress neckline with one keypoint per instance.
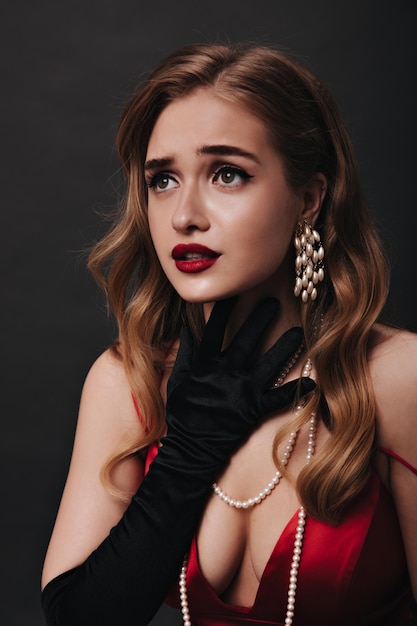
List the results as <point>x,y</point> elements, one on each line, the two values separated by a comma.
<point>279,561</point>
<point>282,550</point>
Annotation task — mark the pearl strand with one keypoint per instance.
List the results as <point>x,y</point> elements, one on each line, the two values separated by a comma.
<point>246,504</point>
<point>250,502</point>
<point>296,557</point>
<point>298,541</point>
<point>287,368</point>
<point>299,534</point>
<point>302,517</point>
<point>183,594</point>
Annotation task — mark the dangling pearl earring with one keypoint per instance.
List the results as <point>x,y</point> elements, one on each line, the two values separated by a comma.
<point>309,266</point>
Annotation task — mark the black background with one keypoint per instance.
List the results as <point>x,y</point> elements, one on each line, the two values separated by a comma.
<point>66,70</point>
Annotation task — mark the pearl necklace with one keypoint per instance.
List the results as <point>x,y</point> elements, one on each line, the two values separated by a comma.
<point>287,368</point>
<point>246,504</point>
<point>302,516</point>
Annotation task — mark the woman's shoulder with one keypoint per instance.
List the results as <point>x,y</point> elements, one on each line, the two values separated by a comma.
<point>106,393</point>
<point>393,352</point>
<point>385,338</point>
<point>393,370</point>
<point>88,511</point>
<point>107,368</point>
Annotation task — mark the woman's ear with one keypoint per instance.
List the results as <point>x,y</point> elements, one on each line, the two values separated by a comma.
<point>314,193</point>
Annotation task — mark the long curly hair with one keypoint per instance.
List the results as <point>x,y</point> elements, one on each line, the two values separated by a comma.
<point>305,127</point>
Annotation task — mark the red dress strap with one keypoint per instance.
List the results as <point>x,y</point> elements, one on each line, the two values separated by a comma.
<point>135,404</point>
<point>398,458</point>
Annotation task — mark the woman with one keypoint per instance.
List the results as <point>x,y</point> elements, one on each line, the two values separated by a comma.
<point>242,190</point>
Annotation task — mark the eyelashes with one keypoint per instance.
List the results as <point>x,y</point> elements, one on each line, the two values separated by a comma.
<point>230,175</point>
<point>160,181</point>
<point>225,176</point>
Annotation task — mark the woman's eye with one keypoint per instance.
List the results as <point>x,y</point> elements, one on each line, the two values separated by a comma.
<point>161,182</point>
<point>230,176</point>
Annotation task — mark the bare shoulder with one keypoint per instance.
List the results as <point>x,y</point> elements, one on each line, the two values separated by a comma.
<point>393,355</point>
<point>107,373</point>
<point>107,390</point>
<point>107,419</point>
<point>393,370</point>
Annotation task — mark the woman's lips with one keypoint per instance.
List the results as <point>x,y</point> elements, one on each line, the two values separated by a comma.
<point>193,257</point>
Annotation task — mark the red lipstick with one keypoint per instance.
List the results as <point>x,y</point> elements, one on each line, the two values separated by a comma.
<point>193,257</point>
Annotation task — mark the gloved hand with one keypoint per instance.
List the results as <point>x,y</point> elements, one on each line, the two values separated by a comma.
<point>215,399</point>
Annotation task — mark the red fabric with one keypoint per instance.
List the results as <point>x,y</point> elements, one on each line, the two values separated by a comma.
<point>135,404</point>
<point>151,454</point>
<point>354,574</point>
<point>398,458</point>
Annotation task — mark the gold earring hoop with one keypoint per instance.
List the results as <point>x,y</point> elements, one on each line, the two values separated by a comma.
<point>309,266</point>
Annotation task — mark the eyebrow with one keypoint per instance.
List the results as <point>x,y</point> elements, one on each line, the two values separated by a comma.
<point>155,164</point>
<point>226,150</point>
<point>216,150</point>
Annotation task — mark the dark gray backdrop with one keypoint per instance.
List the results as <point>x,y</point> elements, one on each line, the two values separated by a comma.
<point>66,70</point>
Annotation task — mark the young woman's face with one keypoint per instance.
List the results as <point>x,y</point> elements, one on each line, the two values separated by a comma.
<point>221,214</point>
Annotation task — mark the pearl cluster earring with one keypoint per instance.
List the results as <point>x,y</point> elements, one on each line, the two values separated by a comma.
<point>309,266</point>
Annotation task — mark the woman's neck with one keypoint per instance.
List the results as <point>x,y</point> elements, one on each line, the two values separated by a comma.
<point>287,317</point>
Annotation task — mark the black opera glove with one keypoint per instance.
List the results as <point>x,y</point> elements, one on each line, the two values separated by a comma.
<point>216,398</point>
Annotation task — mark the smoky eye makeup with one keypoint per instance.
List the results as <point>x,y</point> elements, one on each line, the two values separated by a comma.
<point>230,175</point>
<point>160,181</point>
<point>156,170</point>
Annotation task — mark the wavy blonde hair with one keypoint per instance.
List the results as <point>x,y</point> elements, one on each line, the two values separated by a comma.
<point>306,128</point>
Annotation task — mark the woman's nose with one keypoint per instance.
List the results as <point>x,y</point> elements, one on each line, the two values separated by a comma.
<point>190,212</point>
